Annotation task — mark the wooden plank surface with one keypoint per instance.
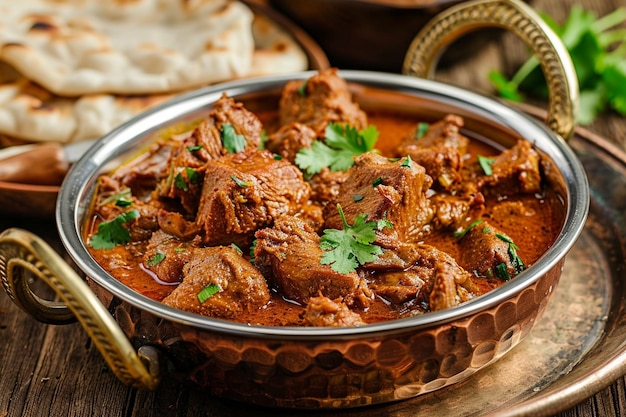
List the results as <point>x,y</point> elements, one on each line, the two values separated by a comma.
<point>56,371</point>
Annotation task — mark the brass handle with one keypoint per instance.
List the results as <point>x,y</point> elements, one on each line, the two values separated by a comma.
<point>22,255</point>
<point>426,48</point>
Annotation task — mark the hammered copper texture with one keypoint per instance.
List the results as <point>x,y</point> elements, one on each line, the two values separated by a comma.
<point>342,373</point>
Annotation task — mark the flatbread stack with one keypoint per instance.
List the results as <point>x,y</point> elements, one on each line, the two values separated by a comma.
<point>74,69</point>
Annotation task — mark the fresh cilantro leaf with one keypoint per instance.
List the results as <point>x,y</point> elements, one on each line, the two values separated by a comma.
<point>239,181</point>
<point>232,141</point>
<point>346,249</point>
<point>302,88</point>
<point>156,259</point>
<point>264,139</point>
<point>504,87</point>
<point>313,159</point>
<point>124,194</point>
<point>208,292</point>
<point>485,163</point>
<point>194,148</point>
<point>469,227</point>
<point>113,232</point>
<point>407,162</point>
<point>421,130</point>
<point>598,51</point>
<point>191,177</point>
<point>341,144</point>
<point>516,261</point>
<point>502,272</point>
<point>180,182</point>
<point>123,202</point>
<point>237,248</point>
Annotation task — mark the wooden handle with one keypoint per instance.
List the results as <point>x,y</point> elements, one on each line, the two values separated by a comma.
<point>42,164</point>
<point>24,255</point>
<point>519,18</point>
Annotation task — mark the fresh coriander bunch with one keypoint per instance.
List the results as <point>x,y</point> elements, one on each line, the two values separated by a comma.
<point>598,51</point>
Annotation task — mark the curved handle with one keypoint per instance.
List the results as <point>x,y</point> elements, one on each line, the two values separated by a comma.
<point>21,253</point>
<point>426,48</point>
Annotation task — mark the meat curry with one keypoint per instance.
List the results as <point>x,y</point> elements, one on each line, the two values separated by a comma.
<point>304,216</point>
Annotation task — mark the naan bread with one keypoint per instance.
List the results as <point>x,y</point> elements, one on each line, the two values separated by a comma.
<point>78,47</point>
<point>32,113</point>
<point>275,52</point>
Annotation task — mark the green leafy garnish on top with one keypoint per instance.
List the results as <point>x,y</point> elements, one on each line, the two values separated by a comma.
<point>341,144</point>
<point>232,141</point>
<point>113,232</point>
<point>599,56</point>
<point>208,292</point>
<point>346,249</point>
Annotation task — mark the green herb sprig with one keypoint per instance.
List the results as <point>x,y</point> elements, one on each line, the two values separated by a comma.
<point>341,144</point>
<point>232,141</point>
<point>346,249</point>
<point>208,292</point>
<point>113,232</point>
<point>599,56</point>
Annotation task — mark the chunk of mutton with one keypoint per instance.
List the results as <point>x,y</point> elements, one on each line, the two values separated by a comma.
<point>289,255</point>
<point>384,189</point>
<point>245,191</point>
<point>419,274</point>
<point>234,285</point>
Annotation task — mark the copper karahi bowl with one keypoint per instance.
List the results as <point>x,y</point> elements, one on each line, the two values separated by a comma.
<point>320,367</point>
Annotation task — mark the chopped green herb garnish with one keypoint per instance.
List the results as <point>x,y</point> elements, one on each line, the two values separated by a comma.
<point>502,272</point>
<point>113,232</point>
<point>239,181</point>
<point>357,197</point>
<point>194,148</point>
<point>407,162</point>
<point>232,141</point>
<point>156,259</point>
<point>377,182</point>
<point>208,292</point>
<point>516,261</point>
<point>180,182</point>
<point>486,229</point>
<point>237,248</point>
<point>421,130</point>
<point>469,227</point>
<point>122,195</point>
<point>341,144</point>
<point>122,202</point>
<point>485,163</point>
<point>597,47</point>
<point>382,223</point>
<point>302,88</point>
<point>179,250</point>
<point>193,177</point>
<point>278,157</point>
<point>264,139</point>
<point>346,249</point>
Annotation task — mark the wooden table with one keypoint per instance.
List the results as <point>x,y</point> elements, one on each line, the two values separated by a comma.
<point>56,371</point>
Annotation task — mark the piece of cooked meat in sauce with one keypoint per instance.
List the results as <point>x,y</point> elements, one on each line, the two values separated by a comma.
<point>223,228</point>
<point>440,149</point>
<point>384,190</point>
<point>289,255</point>
<point>238,285</point>
<point>322,99</point>
<point>245,191</point>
